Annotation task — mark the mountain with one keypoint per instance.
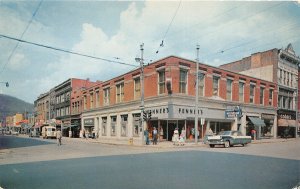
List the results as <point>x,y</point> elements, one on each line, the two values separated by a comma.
<point>11,105</point>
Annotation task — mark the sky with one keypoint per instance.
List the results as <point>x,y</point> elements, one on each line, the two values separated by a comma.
<point>114,30</point>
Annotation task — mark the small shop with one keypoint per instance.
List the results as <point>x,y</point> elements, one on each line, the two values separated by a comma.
<point>255,124</point>
<point>88,126</point>
<point>286,124</point>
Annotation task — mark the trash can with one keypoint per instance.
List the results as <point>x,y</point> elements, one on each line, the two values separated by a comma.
<point>130,141</point>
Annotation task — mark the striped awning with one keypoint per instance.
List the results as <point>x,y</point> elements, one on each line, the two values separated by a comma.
<point>292,123</point>
<point>283,123</point>
<point>257,121</point>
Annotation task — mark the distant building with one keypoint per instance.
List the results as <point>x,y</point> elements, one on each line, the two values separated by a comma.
<point>282,67</point>
<point>227,101</point>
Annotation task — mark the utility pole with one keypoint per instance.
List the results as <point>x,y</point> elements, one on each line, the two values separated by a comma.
<point>197,95</point>
<point>142,89</point>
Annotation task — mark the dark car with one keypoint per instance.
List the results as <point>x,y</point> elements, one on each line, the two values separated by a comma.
<point>228,138</point>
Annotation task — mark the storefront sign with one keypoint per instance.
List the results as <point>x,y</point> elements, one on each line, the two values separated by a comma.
<point>88,122</point>
<point>286,114</point>
<point>232,112</point>
<point>268,116</point>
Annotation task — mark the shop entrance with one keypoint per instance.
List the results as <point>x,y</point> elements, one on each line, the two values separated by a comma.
<point>171,127</point>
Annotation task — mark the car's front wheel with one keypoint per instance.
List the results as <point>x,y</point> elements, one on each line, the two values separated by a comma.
<point>227,144</point>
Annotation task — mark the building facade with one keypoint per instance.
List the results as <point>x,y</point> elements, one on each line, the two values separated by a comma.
<point>227,101</point>
<point>282,67</point>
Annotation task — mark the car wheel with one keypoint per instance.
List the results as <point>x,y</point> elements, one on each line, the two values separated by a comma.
<point>227,144</point>
<point>212,145</point>
<point>244,144</point>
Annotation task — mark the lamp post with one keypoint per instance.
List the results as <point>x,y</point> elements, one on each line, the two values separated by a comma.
<point>197,96</point>
<point>140,60</point>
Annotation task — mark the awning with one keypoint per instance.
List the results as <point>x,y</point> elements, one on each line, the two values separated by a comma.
<point>257,121</point>
<point>283,123</point>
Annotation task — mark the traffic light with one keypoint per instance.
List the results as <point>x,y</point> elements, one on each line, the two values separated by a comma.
<point>149,115</point>
<point>145,116</point>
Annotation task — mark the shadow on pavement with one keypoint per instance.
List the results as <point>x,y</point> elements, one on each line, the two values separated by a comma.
<point>7,142</point>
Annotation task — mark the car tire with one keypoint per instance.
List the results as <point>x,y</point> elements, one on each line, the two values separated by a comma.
<point>227,144</point>
<point>212,145</point>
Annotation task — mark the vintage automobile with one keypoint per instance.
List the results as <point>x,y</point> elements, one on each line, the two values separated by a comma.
<point>228,138</point>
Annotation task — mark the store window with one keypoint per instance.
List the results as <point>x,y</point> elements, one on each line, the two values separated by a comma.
<point>216,85</point>
<point>104,125</point>
<point>113,125</point>
<point>137,88</point>
<point>120,93</point>
<point>261,95</point>
<point>124,123</point>
<point>252,90</point>
<point>136,124</point>
<point>91,100</point>
<point>183,81</point>
<point>106,96</point>
<point>229,89</point>
<point>161,82</point>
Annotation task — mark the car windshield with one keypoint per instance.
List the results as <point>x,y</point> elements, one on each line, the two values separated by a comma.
<point>224,133</point>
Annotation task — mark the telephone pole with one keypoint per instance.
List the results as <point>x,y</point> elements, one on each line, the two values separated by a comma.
<point>197,97</point>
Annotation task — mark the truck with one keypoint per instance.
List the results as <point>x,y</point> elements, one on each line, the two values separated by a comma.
<point>48,132</point>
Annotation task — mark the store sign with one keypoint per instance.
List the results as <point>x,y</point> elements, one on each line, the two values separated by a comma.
<point>268,116</point>
<point>88,122</point>
<point>232,112</point>
<point>286,114</point>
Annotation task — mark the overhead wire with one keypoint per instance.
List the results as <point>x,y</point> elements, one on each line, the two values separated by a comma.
<point>66,51</point>
<point>16,46</point>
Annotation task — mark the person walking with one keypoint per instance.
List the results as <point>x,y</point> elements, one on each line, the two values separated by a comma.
<point>58,137</point>
<point>154,136</point>
<point>146,134</point>
<point>175,137</point>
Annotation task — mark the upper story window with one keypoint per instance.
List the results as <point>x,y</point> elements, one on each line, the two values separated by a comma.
<point>229,89</point>
<point>252,93</point>
<point>183,81</point>
<point>91,100</point>
<point>120,93</point>
<point>137,88</point>
<point>261,95</point>
<point>106,95</point>
<point>97,99</point>
<point>271,91</point>
<point>216,85</point>
<point>241,91</point>
<point>161,81</point>
<point>201,84</point>
<point>84,102</point>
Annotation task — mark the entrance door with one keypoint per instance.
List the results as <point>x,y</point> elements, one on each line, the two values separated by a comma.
<point>171,127</point>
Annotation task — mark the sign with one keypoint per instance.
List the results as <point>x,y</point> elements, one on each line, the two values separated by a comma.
<point>88,122</point>
<point>233,111</point>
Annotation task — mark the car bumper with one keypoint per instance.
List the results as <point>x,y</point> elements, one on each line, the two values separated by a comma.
<point>216,142</point>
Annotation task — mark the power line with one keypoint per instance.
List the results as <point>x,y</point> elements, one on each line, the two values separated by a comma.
<point>162,42</point>
<point>29,23</point>
<point>66,51</point>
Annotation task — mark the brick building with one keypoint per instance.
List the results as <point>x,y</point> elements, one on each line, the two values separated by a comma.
<point>282,67</point>
<point>227,100</point>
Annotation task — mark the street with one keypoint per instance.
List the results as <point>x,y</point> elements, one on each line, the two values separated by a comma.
<point>85,164</point>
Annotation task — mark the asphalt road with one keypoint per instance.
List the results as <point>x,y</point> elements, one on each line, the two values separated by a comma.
<point>132,168</point>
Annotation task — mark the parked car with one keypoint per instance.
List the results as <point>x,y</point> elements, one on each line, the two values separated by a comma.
<point>14,133</point>
<point>228,138</point>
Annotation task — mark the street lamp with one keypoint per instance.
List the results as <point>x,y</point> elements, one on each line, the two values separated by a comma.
<point>140,60</point>
<point>197,96</point>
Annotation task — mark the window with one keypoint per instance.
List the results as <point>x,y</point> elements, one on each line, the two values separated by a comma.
<point>97,99</point>
<point>161,82</point>
<point>201,84</point>
<point>261,95</point>
<point>84,102</point>
<point>136,124</point>
<point>183,81</point>
<point>252,90</point>
<point>106,96</point>
<point>113,125</point>
<point>91,101</point>
<point>271,97</point>
<point>216,85</point>
<point>241,91</point>
<point>124,122</point>
<point>120,93</point>
<point>137,88</point>
<point>229,89</point>
<point>280,101</point>
<point>104,122</point>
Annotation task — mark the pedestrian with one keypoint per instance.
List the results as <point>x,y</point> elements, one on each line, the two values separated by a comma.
<point>175,137</point>
<point>58,137</point>
<point>146,134</point>
<point>181,139</point>
<point>253,134</point>
<point>84,134</point>
<point>154,136</point>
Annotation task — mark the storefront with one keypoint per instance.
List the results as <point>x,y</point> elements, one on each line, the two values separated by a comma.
<point>286,124</point>
<point>88,126</point>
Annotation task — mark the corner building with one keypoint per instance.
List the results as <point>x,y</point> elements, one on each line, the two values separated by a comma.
<point>227,101</point>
